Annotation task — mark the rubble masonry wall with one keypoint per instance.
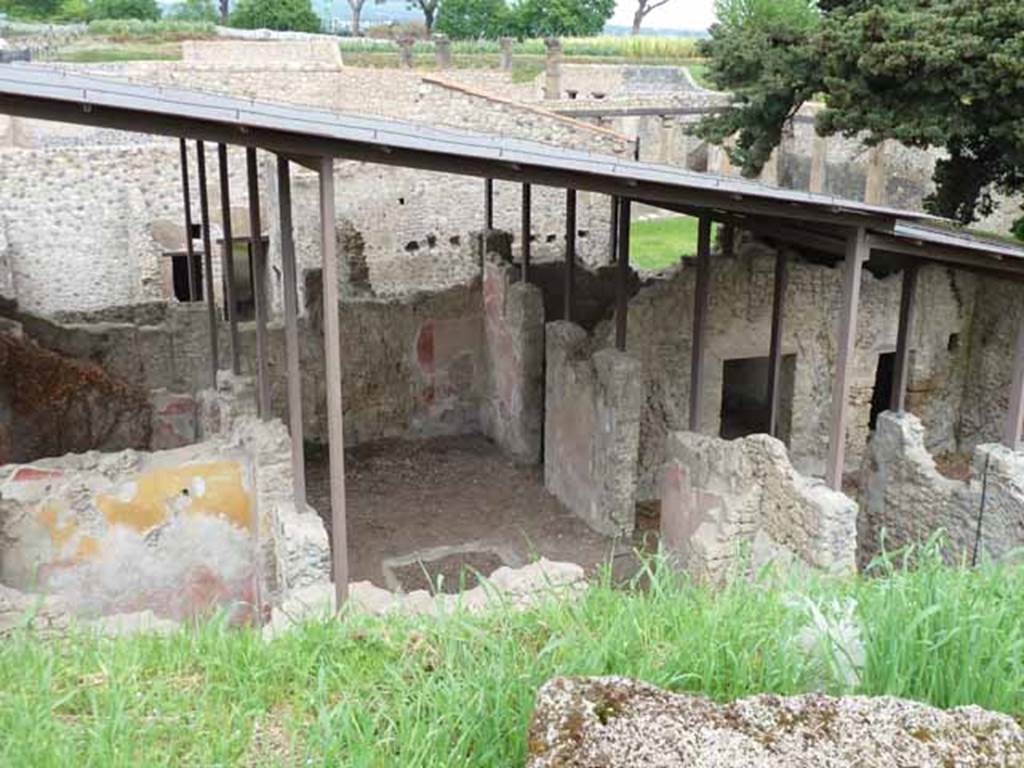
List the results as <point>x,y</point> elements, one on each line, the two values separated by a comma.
<point>722,500</point>
<point>591,429</point>
<point>513,408</point>
<point>739,325</point>
<point>905,496</point>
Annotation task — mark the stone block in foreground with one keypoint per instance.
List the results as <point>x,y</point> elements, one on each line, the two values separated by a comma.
<point>613,721</point>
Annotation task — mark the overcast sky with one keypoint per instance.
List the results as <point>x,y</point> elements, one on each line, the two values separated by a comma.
<point>675,14</point>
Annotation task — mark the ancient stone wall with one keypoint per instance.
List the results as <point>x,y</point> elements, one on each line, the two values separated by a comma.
<point>177,533</point>
<point>513,407</point>
<point>739,324</point>
<point>411,367</point>
<point>51,404</point>
<point>173,533</point>
<point>154,346</point>
<point>77,219</point>
<point>591,429</point>
<point>990,341</point>
<point>724,499</point>
<point>905,499</point>
<point>314,51</point>
<point>78,224</point>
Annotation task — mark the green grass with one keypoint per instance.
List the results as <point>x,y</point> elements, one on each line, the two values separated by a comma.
<point>163,30</point>
<point>92,54</point>
<point>624,47</point>
<point>660,243</point>
<point>458,691</point>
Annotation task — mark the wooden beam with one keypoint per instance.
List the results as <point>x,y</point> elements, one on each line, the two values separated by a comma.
<point>570,253</point>
<point>527,230</point>
<point>1015,414</point>
<point>622,274</point>
<point>259,283</point>
<point>901,368</point>
<point>190,253</point>
<point>332,357</point>
<point>211,303</point>
<point>857,252</point>
<point>289,276</point>
<point>702,292</point>
<point>228,258</point>
<point>774,394</point>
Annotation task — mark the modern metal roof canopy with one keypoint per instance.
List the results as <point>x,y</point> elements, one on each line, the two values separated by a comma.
<point>53,94</point>
<point>50,93</point>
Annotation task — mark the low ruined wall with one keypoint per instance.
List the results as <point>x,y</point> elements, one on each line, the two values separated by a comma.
<point>322,52</point>
<point>721,499</point>
<point>591,429</point>
<point>513,407</point>
<point>177,532</point>
<point>120,533</point>
<point>905,499</point>
<point>411,367</point>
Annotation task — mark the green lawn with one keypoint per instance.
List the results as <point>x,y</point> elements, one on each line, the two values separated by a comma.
<point>92,53</point>
<point>458,691</point>
<point>660,243</point>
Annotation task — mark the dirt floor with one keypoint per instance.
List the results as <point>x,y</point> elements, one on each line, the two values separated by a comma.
<point>419,509</point>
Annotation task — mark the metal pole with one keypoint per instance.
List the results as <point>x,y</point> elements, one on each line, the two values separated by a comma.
<point>702,291</point>
<point>228,258</point>
<point>857,253</point>
<point>774,394</point>
<point>332,357</point>
<point>901,369</point>
<point>259,283</point>
<point>613,237</point>
<point>622,274</point>
<point>527,230</point>
<point>570,251</point>
<point>193,293</point>
<point>488,204</point>
<point>211,303</point>
<point>289,275</point>
<point>1015,415</point>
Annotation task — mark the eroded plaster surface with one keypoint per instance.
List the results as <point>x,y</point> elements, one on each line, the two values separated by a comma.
<point>730,504</point>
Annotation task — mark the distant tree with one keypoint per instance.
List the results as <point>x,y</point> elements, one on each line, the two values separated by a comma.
<point>357,13</point>
<point>561,18</point>
<point>644,7</point>
<point>30,9</point>
<point>295,15</point>
<point>224,6</point>
<point>928,73</point>
<point>429,10</point>
<point>73,10</point>
<point>468,19</point>
<point>193,10</point>
<point>145,10</point>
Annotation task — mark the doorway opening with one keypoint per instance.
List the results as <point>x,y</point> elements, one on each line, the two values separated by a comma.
<point>881,395</point>
<point>745,408</point>
<point>179,272</point>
